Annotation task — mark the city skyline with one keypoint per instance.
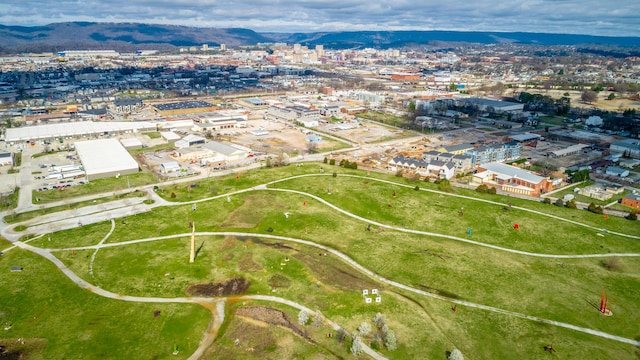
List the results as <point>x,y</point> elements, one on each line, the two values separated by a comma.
<point>589,17</point>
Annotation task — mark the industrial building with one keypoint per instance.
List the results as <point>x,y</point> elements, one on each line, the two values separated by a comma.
<point>629,147</point>
<point>105,158</point>
<point>53,132</point>
<point>6,158</point>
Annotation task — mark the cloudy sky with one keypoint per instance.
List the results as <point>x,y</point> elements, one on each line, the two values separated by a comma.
<point>593,17</point>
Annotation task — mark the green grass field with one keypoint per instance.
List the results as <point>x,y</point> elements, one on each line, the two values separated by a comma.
<point>42,305</point>
<point>564,290</point>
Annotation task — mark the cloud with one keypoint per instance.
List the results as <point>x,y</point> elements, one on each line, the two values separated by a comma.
<point>593,17</point>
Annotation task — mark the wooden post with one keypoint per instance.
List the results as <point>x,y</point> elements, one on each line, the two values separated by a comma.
<point>192,254</point>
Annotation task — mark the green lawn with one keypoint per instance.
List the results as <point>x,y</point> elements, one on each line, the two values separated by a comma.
<point>10,201</point>
<point>44,306</point>
<point>152,134</point>
<point>564,290</point>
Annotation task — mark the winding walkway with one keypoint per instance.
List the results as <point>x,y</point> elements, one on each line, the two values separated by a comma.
<point>373,275</point>
<point>218,309</point>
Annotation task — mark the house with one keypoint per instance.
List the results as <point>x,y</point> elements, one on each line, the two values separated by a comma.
<point>457,149</point>
<point>631,200</point>
<point>495,153</point>
<point>616,171</point>
<point>461,162</point>
<point>511,179</point>
<point>432,168</point>
<point>125,106</point>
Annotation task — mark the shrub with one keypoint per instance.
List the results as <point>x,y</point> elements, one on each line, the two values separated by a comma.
<point>482,188</point>
<point>364,329</point>
<point>341,335</point>
<point>492,191</point>
<point>356,346</point>
<point>571,204</point>
<point>455,355</point>
<point>416,188</point>
<point>303,317</point>
<point>390,340</point>
<point>318,319</point>
<point>399,173</point>
<point>632,216</point>
<point>559,202</point>
<point>326,160</point>
<point>332,162</point>
<point>546,201</point>
<point>335,174</point>
<point>444,185</point>
<point>378,320</point>
<point>595,209</point>
<point>612,263</point>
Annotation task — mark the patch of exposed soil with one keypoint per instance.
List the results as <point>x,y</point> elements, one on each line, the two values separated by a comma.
<point>272,317</point>
<point>343,278</point>
<point>246,264</point>
<point>228,243</point>
<point>21,349</point>
<point>279,281</point>
<point>233,286</point>
<point>253,338</point>
<point>276,245</point>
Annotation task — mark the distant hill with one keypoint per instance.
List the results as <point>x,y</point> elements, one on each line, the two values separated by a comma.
<point>117,36</point>
<point>395,39</point>
<point>131,36</point>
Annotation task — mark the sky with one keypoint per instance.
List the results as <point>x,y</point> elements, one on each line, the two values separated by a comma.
<point>590,17</point>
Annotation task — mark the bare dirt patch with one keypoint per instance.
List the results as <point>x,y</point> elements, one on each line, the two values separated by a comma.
<point>247,264</point>
<point>247,215</point>
<point>19,349</point>
<point>279,281</point>
<point>272,317</point>
<point>228,243</point>
<point>233,286</point>
<point>328,272</point>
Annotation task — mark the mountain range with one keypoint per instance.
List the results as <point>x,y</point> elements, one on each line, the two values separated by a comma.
<point>133,36</point>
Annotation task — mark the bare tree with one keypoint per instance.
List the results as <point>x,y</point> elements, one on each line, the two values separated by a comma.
<point>588,96</point>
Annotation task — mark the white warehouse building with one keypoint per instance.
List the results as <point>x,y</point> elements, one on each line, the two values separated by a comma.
<point>105,158</point>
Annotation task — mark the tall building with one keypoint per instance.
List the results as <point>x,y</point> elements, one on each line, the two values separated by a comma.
<point>223,47</point>
<point>320,50</point>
